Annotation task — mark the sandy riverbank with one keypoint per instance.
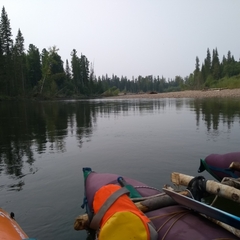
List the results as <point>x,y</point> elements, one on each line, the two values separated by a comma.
<point>233,93</point>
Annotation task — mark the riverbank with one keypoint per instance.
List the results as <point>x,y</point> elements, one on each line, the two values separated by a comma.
<point>232,93</point>
<point>220,93</point>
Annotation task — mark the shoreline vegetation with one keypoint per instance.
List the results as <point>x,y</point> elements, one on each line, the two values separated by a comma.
<point>212,93</point>
<point>31,74</point>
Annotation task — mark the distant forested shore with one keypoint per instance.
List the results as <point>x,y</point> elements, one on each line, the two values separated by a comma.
<point>29,73</point>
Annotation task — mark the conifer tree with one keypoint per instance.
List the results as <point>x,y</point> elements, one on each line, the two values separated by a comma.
<point>7,83</point>
<point>68,71</point>
<point>53,75</point>
<point>5,33</point>
<point>75,63</point>
<point>197,74</point>
<point>215,65</point>
<point>19,64</point>
<point>92,80</point>
<point>34,72</point>
<point>207,63</point>
<point>19,43</point>
<point>84,74</point>
<point>1,68</point>
<point>197,65</point>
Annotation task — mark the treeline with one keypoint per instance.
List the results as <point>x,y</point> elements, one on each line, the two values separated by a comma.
<point>212,70</point>
<point>29,73</point>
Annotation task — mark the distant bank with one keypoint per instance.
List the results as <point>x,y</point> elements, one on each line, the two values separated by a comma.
<point>186,94</point>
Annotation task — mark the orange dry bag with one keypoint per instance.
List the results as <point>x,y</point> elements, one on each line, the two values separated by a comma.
<point>117,218</point>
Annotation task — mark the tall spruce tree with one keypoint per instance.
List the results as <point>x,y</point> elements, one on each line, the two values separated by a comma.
<point>34,72</point>
<point>5,33</point>
<point>1,68</point>
<point>46,70</point>
<point>57,70</point>
<point>207,63</point>
<point>19,58</point>
<point>80,73</point>
<point>216,70</point>
<point>76,72</point>
<point>197,74</point>
<point>84,74</point>
<point>230,66</point>
<point>7,83</point>
<point>69,86</point>
<point>68,71</point>
<point>19,43</point>
<point>197,65</point>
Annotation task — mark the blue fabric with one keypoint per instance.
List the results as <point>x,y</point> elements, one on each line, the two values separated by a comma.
<point>227,171</point>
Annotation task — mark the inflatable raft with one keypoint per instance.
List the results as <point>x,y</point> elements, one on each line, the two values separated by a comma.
<point>120,220</point>
<point>9,228</point>
<point>219,165</point>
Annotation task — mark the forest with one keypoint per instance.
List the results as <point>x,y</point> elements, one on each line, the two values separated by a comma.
<point>29,73</point>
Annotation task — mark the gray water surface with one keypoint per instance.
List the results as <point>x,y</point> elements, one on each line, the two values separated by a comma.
<point>45,145</point>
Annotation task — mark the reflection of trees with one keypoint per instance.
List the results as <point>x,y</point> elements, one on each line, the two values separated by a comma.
<point>214,111</point>
<point>84,119</point>
<point>15,137</point>
<point>105,108</point>
<point>27,128</point>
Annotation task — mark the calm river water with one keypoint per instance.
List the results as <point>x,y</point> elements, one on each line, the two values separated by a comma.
<point>45,145</point>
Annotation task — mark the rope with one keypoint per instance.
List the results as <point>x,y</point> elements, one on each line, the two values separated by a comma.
<point>167,214</point>
<point>148,188</point>
<point>216,197</point>
<point>149,197</point>
<point>190,193</point>
<point>171,216</point>
<point>173,224</point>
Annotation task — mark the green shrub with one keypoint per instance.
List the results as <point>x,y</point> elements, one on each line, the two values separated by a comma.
<point>232,82</point>
<point>114,91</point>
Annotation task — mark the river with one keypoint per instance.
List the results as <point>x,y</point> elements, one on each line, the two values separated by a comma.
<point>45,145</point>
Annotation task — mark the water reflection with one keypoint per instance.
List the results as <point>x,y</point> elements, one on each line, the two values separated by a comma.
<point>214,111</point>
<point>27,128</point>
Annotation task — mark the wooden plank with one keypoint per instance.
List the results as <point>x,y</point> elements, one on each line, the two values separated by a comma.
<point>212,187</point>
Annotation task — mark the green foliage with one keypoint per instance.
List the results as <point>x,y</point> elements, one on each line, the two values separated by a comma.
<point>232,82</point>
<point>5,33</point>
<point>210,81</point>
<point>215,69</point>
<point>173,89</point>
<point>34,72</point>
<point>53,75</point>
<point>197,66</point>
<point>6,61</point>
<point>31,73</point>
<point>19,65</point>
<point>114,91</point>
<point>80,73</point>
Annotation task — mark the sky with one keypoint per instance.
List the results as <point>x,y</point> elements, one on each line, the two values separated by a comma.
<point>130,37</point>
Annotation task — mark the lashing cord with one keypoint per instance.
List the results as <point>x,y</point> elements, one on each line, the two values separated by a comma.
<point>178,214</point>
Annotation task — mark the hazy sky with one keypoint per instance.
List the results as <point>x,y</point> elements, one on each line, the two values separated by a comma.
<point>130,37</point>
